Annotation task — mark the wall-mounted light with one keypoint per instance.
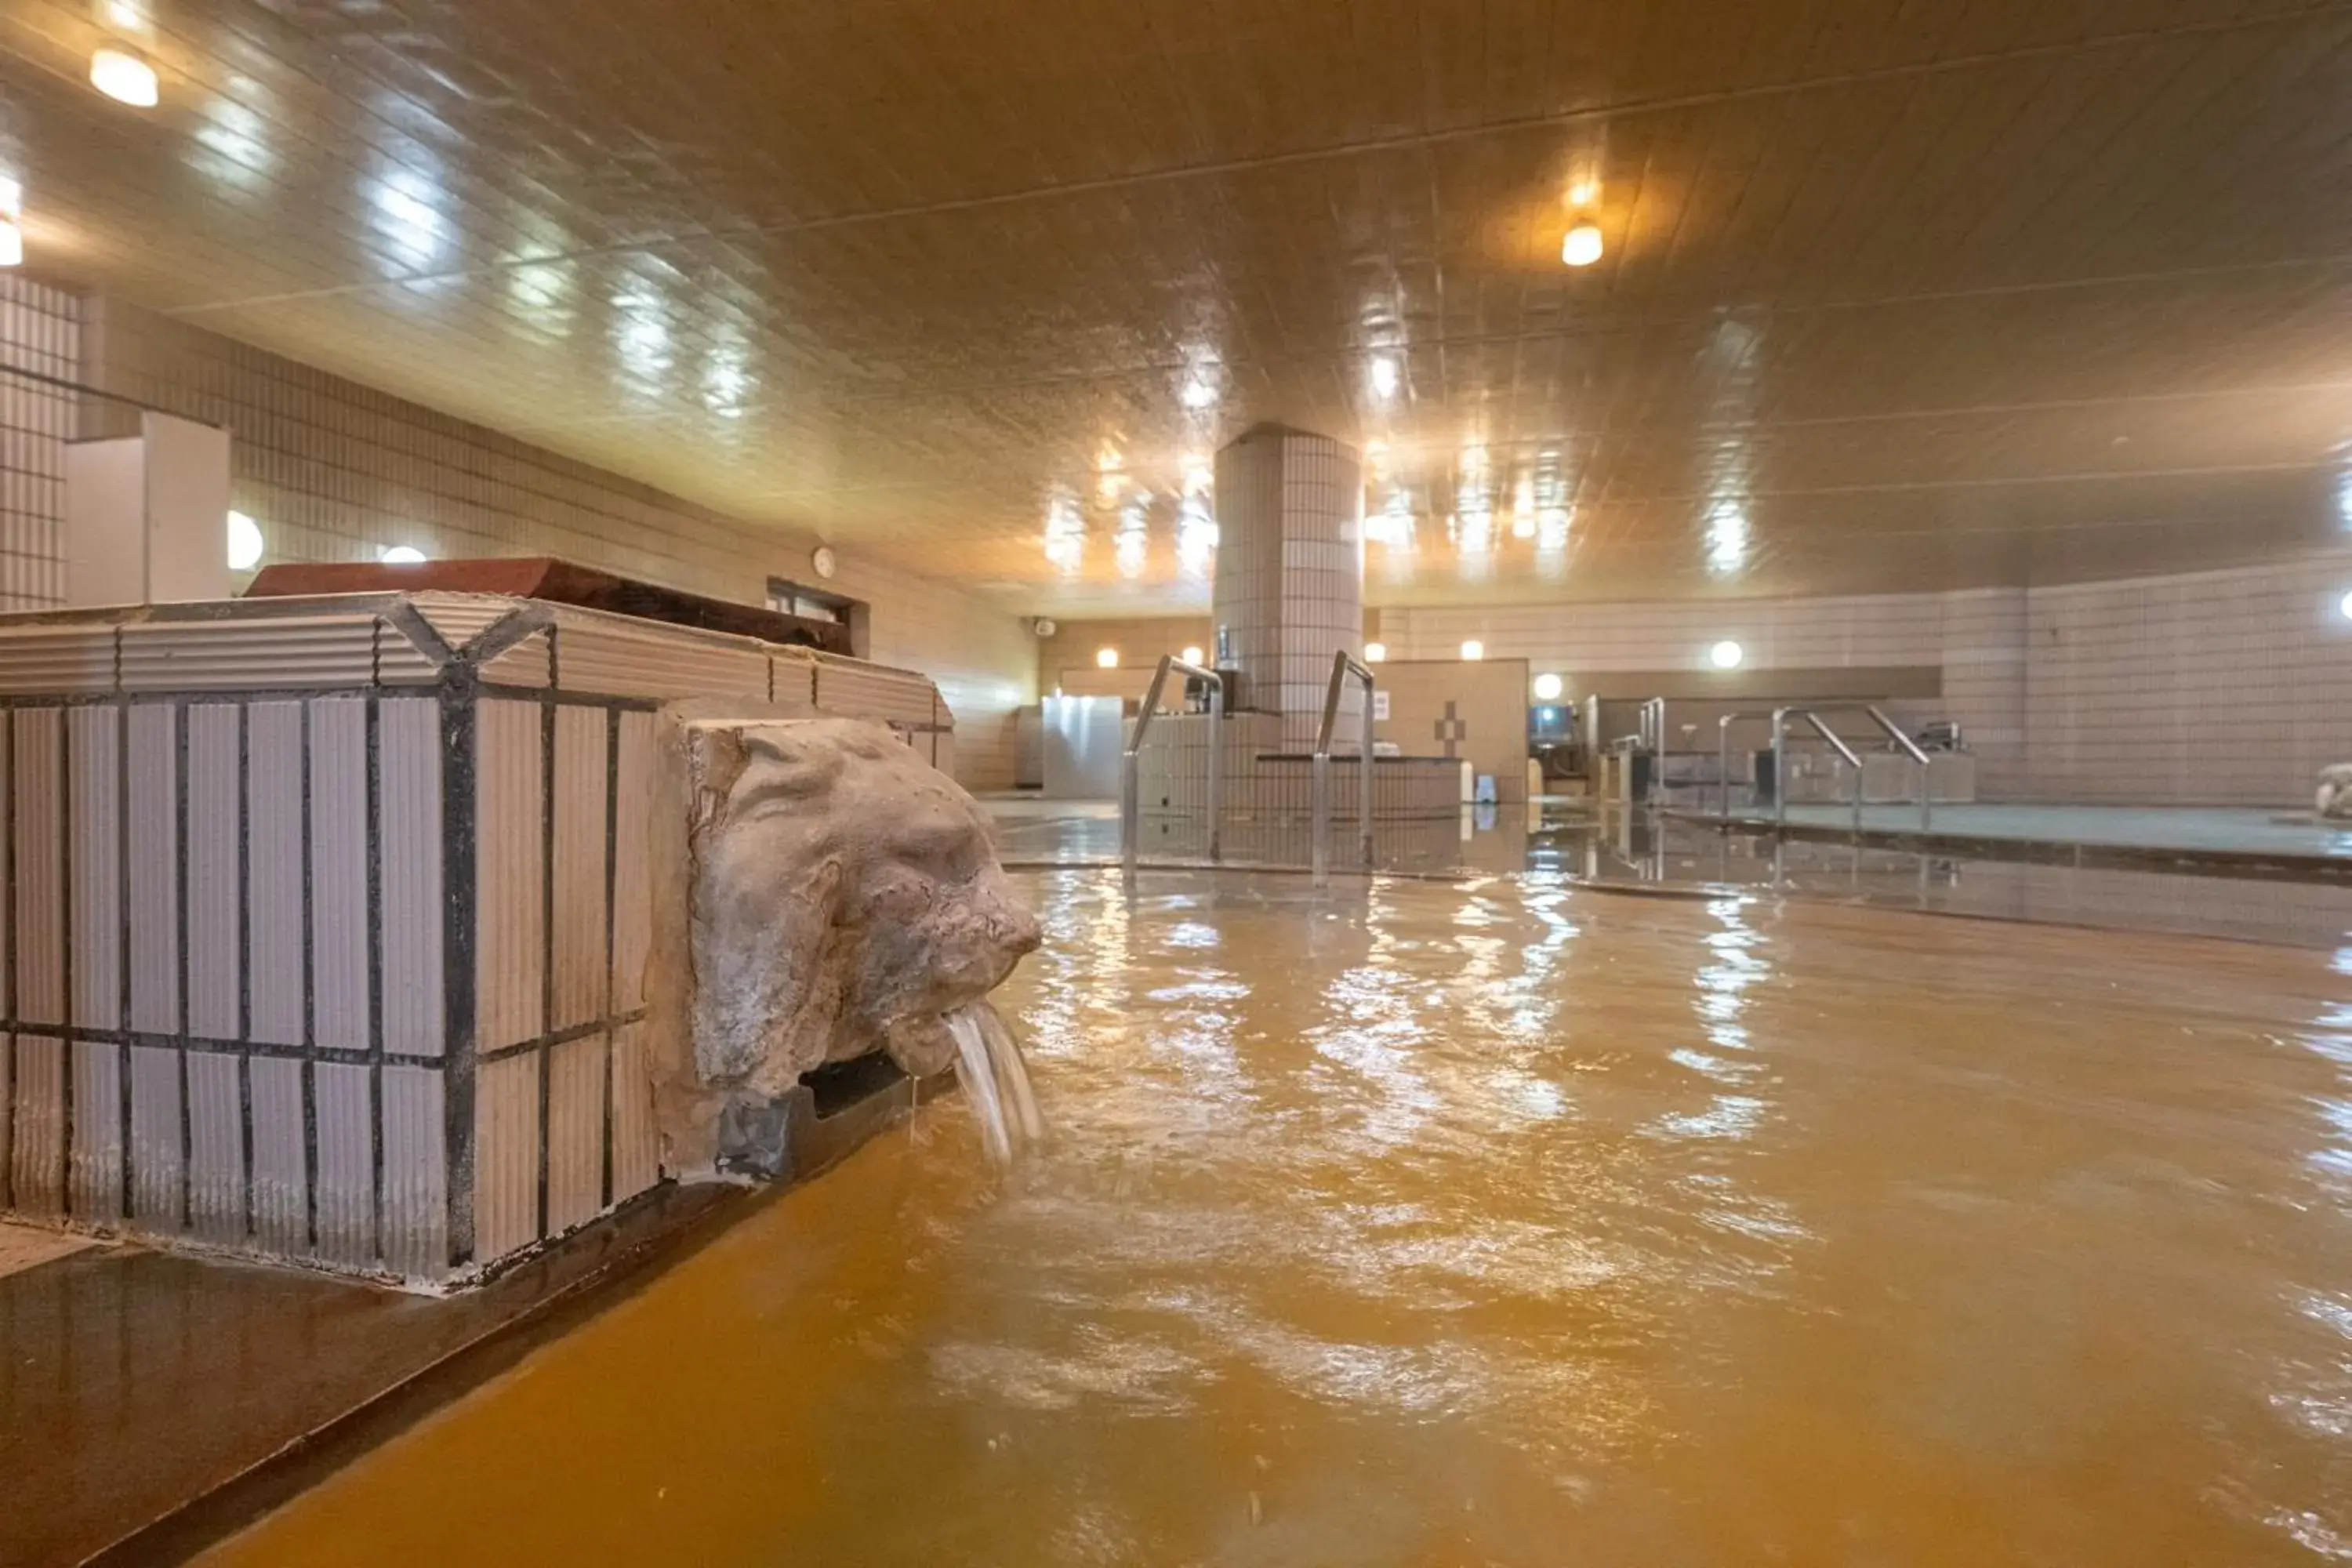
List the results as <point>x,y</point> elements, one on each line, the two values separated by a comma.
<point>1725,654</point>
<point>12,226</point>
<point>402,555</point>
<point>1376,652</point>
<point>2344,606</point>
<point>1583,244</point>
<point>1385,376</point>
<point>1191,654</point>
<point>1473,648</point>
<point>1198,393</point>
<point>245,544</point>
<point>1106,659</point>
<point>125,77</point>
<point>1548,686</point>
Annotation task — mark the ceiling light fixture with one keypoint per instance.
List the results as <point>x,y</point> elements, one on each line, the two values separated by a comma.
<point>1727,654</point>
<point>1582,246</point>
<point>1198,394</point>
<point>1106,659</point>
<point>1376,653</point>
<point>403,555</point>
<point>244,542</point>
<point>1548,686</point>
<point>125,77</point>
<point>1473,648</point>
<point>1385,377</point>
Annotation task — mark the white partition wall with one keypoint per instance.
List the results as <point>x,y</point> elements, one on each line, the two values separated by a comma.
<point>147,515</point>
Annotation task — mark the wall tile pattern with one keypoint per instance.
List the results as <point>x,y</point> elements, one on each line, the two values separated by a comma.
<point>337,471</point>
<point>1289,589</point>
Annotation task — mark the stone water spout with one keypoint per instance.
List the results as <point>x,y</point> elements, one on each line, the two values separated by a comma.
<point>840,899</point>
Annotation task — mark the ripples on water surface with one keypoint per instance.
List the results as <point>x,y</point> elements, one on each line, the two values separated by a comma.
<point>1496,1223</point>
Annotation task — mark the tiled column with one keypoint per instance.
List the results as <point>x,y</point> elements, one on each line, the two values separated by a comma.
<point>1290,573</point>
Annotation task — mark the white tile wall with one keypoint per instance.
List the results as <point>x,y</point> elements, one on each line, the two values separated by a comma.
<point>1289,581</point>
<point>333,471</point>
<point>40,330</point>
<point>2215,688</point>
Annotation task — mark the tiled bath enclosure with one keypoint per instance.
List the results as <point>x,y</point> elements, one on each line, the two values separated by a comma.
<point>1267,799</point>
<point>327,920</point>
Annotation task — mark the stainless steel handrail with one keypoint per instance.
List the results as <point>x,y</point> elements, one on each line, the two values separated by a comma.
<point>1343,665</point>
<point>1723,756</point>
<point>1129,807</point>
<point>1894,732</point>
<point>1918,754</point>
<point>1653,729</point>
<point>1780,717</point>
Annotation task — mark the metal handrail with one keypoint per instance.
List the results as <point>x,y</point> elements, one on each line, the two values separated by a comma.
<point>1894,732</point>
<point>1780,717</point>
<point>1918,754</point>
<point>1130,806</point>
<point>1343,665</point>
<point>1653,729</point>
<point>1723,756</point>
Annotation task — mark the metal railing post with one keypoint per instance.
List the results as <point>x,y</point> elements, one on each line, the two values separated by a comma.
<point>1364,784</point>
<point>1342,667</point>
<point>1919,755</point>
<point>1216,770</point>
<point>1845,753</point>
<point>1723,766</point>
<point>1319,825</point>
<point>1779,768</point>
<point>1131,806</point>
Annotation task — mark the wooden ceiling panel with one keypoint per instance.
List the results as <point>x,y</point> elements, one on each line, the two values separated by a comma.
<point>1913,293</point>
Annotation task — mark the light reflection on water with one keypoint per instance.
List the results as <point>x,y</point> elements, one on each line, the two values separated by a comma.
<point>1501,1223</point>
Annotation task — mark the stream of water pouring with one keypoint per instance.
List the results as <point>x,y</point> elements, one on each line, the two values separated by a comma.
<point>989,1066</point>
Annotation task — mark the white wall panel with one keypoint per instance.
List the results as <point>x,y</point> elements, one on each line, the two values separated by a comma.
<point>158,1169</point>
<point>632,846</point>
<point>575,1132</point>
<point>94,778</point>
<point>154,804</point>
<point>636,1150</point>
<point>215,898</point>
<point>39,854</point>
<point>409,833</point>
<point>274,874</point>
<point>341,995</point>
<point>215,1147</point>
<point>36,1170</point>
<point>510,862</point>
<point>506,1156</point>
<point>94,1172</point>
<point>281,1181</point>
<point>578,866</point>
<point>345,1120</point>
<point>415,1174</point>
